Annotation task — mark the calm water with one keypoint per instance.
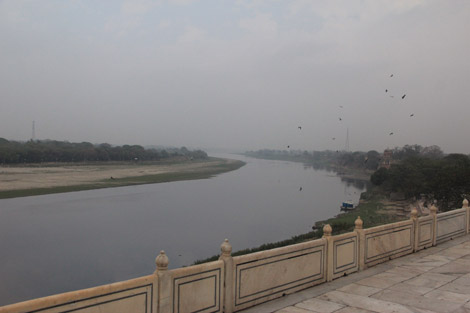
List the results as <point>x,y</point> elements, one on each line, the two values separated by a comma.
<point>57,243</point>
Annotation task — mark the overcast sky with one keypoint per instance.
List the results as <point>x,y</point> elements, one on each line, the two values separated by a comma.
<point>237,74</point>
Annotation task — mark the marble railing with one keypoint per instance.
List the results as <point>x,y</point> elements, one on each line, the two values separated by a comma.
<point>234,283</point>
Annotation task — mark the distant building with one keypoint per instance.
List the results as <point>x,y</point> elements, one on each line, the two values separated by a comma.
<point>386,159</point>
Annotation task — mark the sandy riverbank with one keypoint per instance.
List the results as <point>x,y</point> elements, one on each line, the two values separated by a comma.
<point>91,176</point>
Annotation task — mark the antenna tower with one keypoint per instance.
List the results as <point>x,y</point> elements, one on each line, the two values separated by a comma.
<point>33,135</point>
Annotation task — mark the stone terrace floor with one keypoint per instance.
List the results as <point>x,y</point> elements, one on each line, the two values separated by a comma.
<point>435,280</point>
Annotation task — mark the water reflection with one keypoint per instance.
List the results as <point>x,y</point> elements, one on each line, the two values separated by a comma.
<point>56,243</point>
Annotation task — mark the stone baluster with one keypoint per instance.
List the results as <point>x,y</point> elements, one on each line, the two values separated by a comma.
<point>226,256</point>
<point>467,208</point>
<point>358,224</point>
<point>414,218</point>
<point>164,283</point>
<point>327,230</point>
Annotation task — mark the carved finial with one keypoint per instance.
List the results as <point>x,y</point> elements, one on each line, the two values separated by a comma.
<point>327,230</point>
<point>162,261</point>
<point>226,248</point>
<point>433,209</point>
<point>465,203</point>
<point>358,223</point>
<point>414,213</point>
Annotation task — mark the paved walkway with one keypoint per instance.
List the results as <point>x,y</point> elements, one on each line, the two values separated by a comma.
<point>435,280</point>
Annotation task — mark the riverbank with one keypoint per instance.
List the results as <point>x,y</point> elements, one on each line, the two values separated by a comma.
<point>30,180</point>
<point>344,172</point>
<point>373,211</point>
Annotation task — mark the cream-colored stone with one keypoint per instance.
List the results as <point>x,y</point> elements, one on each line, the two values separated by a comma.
<point>404,287</point>
<point>344,255</point>
<point>376,282</point>
<point>448,295</point>
<point>456,288</point>
<point>293,309</point>
<point>360,290</point>
<point>198,288</point>
<point>425,232</point>
<point>384,242</point>
<point>417,301</point>
<point>425,282</point>
<point>451,224</point>
<point>366,303</point>
<point>135,295</point>
<point>353,310</point>
<point>198,295</point>
<point>268,274</point>
<point>320,306</point>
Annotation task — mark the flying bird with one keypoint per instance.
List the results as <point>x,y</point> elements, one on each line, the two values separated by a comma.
<point>300,189</point>
<point>288,147</point>
<point>340,119</point>
<point>390,134</point>
<point>341,106</point>
<point>403,97</point>
<point>391,75</point>
<point>386,90</point>
<point>333,138</point>
<point>366,159</point>
<point>299,127</point>
<point>411,115</point>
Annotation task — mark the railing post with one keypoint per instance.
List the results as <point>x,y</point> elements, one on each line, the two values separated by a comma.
<point>226,256</point>
<point>327,230</point>
<point>164,283</point>
<point>414,218</point>
<point>433,210</point>
<point>361,241</point>
<point>465,206</point>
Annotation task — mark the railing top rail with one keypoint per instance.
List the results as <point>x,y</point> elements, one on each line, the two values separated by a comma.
<point>59,299</point>
<point>387,226</point>
<point>280,250</point>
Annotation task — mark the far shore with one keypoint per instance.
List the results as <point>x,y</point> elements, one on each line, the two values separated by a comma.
<point>39,179</point>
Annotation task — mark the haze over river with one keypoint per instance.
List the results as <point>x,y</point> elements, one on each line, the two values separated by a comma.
<point>62,242</point>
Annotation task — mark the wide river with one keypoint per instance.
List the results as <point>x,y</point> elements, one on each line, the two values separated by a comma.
<point>61,242</point>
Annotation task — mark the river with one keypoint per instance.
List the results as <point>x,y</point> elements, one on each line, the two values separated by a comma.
<point>61,242</point>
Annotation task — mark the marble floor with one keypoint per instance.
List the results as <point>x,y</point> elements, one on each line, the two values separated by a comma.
<point>435,280</point>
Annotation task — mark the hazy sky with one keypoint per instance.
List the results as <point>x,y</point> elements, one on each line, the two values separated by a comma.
<point>237,74</point>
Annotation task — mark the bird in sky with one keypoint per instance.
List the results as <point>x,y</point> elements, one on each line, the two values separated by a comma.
<point>333,138</point>
<point>288,147</point>
<point>403,97</point>
<point>340,119</point>
<point>300,189</point>
<point>411,115</point>
<point>391,75</point>
<point>341,106</point>
<point>390,134</point>
<point>386,90</point>
<point>300,127</point>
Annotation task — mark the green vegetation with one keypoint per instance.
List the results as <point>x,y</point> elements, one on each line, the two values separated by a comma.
<point>418,170</point>
<point>201,173</point>
<point>332,160</point>
<point>371,212</point>
<point>446,179</point>
<point>356,162</point>
<point>13,152</point>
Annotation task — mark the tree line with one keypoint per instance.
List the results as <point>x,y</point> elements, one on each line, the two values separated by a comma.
<point>445,179</point>
<point>14,152</point>
<point>369,160</point>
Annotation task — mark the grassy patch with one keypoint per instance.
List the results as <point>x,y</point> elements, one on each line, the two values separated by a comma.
<point>370,211</point>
